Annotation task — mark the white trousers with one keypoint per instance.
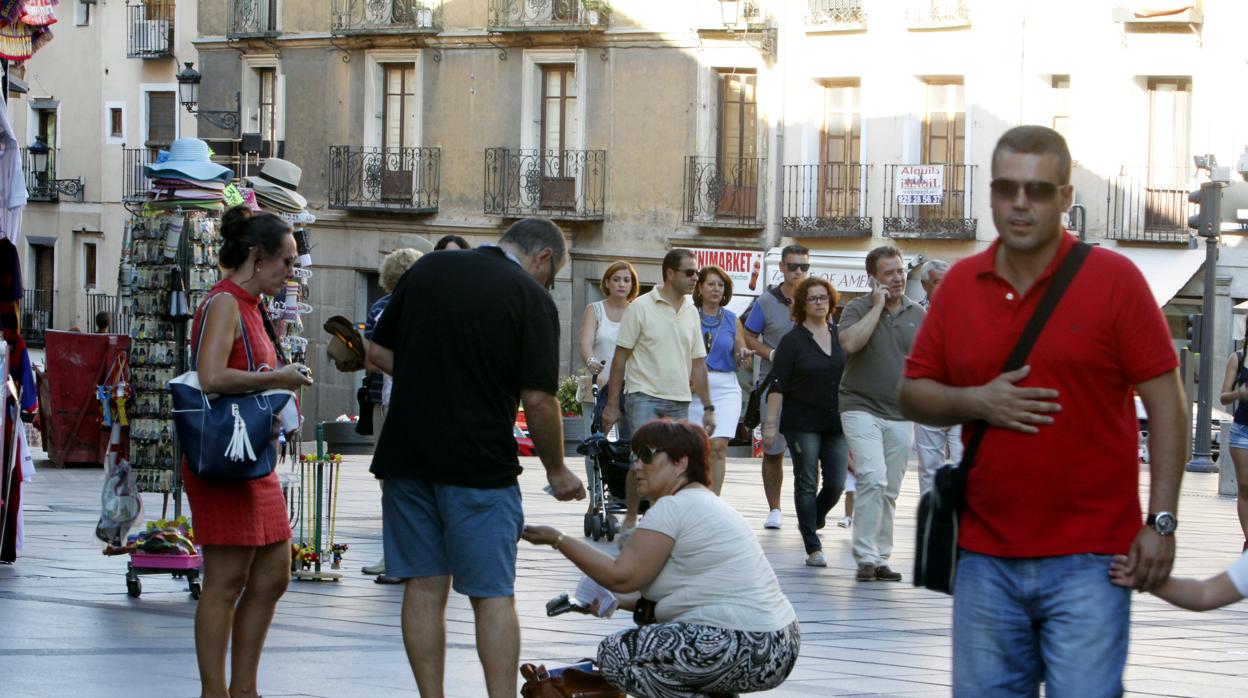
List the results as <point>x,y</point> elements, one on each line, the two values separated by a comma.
<point>880,447</point>
<point>936,446</point>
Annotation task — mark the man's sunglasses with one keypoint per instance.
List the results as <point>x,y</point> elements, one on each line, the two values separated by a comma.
<point>796,266</point>
<point>1037,191</point>
<point>688,272</point>
<point>645,454</point>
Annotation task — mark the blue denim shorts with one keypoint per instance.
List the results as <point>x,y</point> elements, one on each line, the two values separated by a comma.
<point>642,408</point>
<point>1239,435</point>
<point>470,534</point>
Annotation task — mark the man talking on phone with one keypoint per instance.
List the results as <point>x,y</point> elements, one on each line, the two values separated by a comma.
<point>876,332</point>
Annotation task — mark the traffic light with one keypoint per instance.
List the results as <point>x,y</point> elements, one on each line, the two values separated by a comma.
<point>1195,327</point>
<point>1200,197</point>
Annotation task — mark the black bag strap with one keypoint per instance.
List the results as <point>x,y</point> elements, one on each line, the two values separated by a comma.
<point>1018,357</point>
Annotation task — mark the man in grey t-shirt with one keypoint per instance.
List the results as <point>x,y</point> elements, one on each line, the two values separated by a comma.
<point>769,319</point>
<point>876,333</point>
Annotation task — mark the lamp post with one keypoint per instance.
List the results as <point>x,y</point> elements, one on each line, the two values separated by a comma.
<point>188,94</point>
<point>39,151</point>
<point>1208,224</point>
<point>757,34</point>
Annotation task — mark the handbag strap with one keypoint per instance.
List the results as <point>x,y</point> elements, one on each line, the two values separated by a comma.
<point>203,322</point>
<point>1053,294</point>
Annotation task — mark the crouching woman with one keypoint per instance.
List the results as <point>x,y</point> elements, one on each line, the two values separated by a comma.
<point>721,624</point>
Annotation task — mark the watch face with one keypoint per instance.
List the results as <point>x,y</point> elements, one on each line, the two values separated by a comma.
<point>1164,523</point>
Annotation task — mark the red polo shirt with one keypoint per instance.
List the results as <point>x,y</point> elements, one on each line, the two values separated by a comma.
<point>1073,487</point>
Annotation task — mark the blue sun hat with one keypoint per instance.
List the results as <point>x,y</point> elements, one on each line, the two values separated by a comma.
<point>191,158</point>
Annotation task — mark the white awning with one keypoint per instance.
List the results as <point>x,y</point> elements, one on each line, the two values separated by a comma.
<point>1167,270</point>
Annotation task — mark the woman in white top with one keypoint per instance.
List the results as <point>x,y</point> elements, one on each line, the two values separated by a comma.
<point>689,550</point>
<point>599,326</point>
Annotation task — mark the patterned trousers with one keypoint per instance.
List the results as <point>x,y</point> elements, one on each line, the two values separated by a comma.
<point>684,660</point>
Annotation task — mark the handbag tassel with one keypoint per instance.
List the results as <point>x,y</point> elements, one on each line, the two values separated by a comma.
<point>239,447</point>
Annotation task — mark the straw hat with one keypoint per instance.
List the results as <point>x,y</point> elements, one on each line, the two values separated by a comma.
<point>278,182</point>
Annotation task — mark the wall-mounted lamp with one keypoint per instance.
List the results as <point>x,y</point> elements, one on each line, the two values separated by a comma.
<point>188,94</point>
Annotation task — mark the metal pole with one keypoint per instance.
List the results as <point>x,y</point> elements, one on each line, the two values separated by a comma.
<point>1202,451</point>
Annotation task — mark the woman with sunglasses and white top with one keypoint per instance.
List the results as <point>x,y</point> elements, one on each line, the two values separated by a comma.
<point>690,548</point>
<point>600,325</point>
<point>725,352</point>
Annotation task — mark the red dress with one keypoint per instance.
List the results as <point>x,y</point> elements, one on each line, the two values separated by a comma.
<point>246,512</point>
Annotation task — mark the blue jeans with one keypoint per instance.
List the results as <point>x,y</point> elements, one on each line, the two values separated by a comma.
<point>814,452</point>
<point>1020,621</point>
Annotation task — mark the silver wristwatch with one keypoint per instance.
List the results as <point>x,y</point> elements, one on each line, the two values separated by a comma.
<point>1163,522</point>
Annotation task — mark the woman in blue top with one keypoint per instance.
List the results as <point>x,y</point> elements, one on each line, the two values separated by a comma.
<point>806,376</point>
<point>1235,390</point>
<point>725,350</point>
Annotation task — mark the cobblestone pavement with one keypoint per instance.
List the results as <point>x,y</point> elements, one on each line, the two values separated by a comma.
<point>69,629</point>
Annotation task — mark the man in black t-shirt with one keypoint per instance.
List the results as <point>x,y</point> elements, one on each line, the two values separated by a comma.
<point>467,336</point>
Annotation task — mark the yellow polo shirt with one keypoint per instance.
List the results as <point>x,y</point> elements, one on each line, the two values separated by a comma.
<point>664,340</point>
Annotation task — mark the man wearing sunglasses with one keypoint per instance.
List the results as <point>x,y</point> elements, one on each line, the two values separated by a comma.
<point>1054,492</point>
<point>768,320</point>
<point>659,352</point>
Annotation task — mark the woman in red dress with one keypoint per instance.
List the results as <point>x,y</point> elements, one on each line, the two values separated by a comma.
<point>241,525</point>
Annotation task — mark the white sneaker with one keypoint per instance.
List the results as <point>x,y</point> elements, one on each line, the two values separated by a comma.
<point>773,519</point>
<point>846,522</point>
<point>816,559</point>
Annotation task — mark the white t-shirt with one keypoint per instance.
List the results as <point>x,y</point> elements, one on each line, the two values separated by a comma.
<point>717,573</point>
<point>1238,572</point>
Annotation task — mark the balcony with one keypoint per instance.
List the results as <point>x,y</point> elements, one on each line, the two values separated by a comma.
<point>150,33</point>
<point>826,200</point>
<point>565,185</point>
<point>252,19</point>
<point>36,311</point>
<point>134,184</point>
<point>109,303</point>
<point>835,15</point>
<point>723,193</point>
<point>929,201</point>
<point>938,14</point>
<point>354,17</point>
<point>1153,17</point>
<point>400,180</point>
<point>42,184</point>
<point>547,15</point>
<point>1149,204</point>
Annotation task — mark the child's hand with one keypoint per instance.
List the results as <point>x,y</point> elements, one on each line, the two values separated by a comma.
<point>1118,574</point>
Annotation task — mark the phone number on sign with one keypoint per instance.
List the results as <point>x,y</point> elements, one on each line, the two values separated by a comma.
<point>920,199</point>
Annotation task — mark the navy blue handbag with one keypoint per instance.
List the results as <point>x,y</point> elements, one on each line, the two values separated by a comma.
<point>226,437</point>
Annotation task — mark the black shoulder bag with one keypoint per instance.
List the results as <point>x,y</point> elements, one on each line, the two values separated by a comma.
<point>936,550</point>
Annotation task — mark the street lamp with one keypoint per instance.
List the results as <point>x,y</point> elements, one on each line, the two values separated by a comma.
<point>188,94</point>
<point>1208,225</point>
<point>44,186</point>
<point>758,35</point>
<point>39,151</point>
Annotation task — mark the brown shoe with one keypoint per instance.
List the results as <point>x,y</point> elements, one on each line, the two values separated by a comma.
<point>884,574</point>
<point>866,573</point>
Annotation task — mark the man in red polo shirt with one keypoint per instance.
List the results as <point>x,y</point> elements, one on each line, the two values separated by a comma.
<point>1055,488</point>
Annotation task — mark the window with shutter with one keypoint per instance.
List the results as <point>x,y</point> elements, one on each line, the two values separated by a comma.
<point>162,117</point>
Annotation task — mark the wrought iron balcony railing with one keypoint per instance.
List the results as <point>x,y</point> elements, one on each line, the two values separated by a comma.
<point>386,16</point>
<point>844,14</point>
<point>107,302</point>
<point>252,19</point>
<point>1149,204</point>
<point>929,201</point>
<point>938,14</point>
<point>723,193</point>
<point>567,185</point>
<point>134,184</point>
<point>42,184</point>
<point>546,15</point>
<point>384,179</point>
<point>150,32</point>
<point>36,314</point>
<point>827,200</point>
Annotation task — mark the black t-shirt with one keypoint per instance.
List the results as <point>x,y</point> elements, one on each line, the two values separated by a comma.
<point>469,331</point>
<point>809,380</point>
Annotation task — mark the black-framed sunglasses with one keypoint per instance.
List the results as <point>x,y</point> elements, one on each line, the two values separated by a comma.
<point>645,454</point>
<point>798,266</point>
<point>689,272</point>
<point>1037,191</point>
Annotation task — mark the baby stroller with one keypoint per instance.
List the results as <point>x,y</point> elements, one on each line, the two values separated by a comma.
<point>607,463</point>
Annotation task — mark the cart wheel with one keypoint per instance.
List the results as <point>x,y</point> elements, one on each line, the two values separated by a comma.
<point>589,523</point>
<point>195,589</point>
<point>134,587</point>
<point>596,531</point>
<point>612,528</point>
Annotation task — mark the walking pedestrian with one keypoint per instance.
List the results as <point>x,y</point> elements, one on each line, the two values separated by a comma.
<point>876,332</point>
<point>659,353</point>
<point>600,325</point>
<point>240,524</point>
<point>934,446</point>
<point>391,270</point>
<point>451,506</point>
<point>725,351</point>
<point>806,375</point>
<point>1235,391</point>
<point>769,319</point>
<point>1054,492</point>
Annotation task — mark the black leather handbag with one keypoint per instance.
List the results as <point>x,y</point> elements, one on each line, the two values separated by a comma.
<point>940,508</point>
